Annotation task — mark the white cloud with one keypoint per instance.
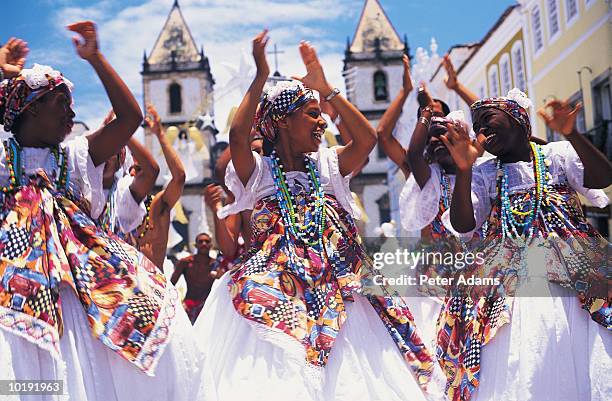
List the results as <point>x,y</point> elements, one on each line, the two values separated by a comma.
<point>222,27</point>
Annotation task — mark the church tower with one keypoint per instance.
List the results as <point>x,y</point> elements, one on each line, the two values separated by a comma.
<point>177,81</point>
<point>373,76</point>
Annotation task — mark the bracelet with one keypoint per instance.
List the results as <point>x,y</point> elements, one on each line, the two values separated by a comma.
<point>428,108</point>
<point>332,95</point>
<point>424,121</point>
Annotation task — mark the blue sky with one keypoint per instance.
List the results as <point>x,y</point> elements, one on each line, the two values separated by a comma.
<point>224,28</point>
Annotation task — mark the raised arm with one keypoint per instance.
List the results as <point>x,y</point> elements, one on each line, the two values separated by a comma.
<point>12,57</point>
<point>364,136</point>
<point>144,180</point>
<point>464,153</point>
<point>390,145</point>
<point>453,84</point>
<point>109,139</point>
<point>597,167</point>
<point>240,130</point>
<point>173,191</point>
<point>418,142</point>
<point>227,229</point>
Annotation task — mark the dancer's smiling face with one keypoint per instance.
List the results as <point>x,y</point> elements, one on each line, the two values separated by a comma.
<point>496,131</point>
<point>304,128</point>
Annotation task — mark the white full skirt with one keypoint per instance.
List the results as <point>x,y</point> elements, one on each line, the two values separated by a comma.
<point>364,364</point>
<point>551,351</point>
<point>93,372</point>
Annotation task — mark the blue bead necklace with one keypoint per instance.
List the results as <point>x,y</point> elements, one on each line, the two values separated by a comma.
<point>510,225</point>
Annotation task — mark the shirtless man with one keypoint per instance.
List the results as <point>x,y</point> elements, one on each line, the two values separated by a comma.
<point>198,277</point>
<point>153,232</point>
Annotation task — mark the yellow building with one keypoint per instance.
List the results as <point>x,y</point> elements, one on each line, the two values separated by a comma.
<point>490,67</point>
<point>570,47</point>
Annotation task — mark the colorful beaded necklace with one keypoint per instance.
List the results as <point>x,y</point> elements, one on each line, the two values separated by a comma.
<point>146,223</point>
<point>510,225</point>
<point>310,232</point>
<point>447,194</point>
<point>14,162</point>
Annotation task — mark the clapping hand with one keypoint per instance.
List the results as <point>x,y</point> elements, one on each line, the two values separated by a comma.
<point>563,117</point>
<point>87,43</point>
<point>315,77</point>
<point>13,56</point>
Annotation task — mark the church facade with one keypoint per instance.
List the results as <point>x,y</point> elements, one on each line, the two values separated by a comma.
<point>373,77</point>
<point>178,82</point>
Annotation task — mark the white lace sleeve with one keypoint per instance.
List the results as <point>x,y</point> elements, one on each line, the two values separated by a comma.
<point>563,152</point>
<point>129,213</point>
<point>85,175</point>
<point>481,198</point>
<point>419,206</point>
<point>244,196</point>
<point>329,167</point>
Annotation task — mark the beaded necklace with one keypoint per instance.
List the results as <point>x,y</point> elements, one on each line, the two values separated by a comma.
<point>447,194</point>
<point>147,219</point>
<point>510,225</point>
<point>14,162</point>
<point>310,232</point>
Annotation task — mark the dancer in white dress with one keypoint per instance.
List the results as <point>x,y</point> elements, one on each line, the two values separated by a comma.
<point>289,322</point>
<point>536,236</point>
<point>78,305</point>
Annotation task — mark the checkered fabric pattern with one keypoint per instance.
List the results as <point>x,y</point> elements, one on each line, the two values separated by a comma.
<point>16,243</point>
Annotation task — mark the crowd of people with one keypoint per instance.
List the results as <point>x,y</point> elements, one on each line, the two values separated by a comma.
<point>287,309</point>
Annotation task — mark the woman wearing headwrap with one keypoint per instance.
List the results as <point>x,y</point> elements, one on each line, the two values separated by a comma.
<point>544,253</point>
<point>288,322</point>
<point>77,305</point>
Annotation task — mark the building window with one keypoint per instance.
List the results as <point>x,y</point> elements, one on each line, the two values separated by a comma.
<point>176,103</point>
<point>518,66</point>
<point>506,74</point>
<point>536,25</point>
<point>571,9</point>
<point>493,82</point>
<point>553,18</point>
<point>380,86</point>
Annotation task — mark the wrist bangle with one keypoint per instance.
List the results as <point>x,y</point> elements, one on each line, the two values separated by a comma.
<point>424,121</point>
<point>332,95</point>
<point>428,109</point>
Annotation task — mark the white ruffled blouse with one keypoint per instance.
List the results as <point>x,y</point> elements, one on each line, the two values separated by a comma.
<point>261,183</point>
<point>85,178</point>
<point>565,167</point>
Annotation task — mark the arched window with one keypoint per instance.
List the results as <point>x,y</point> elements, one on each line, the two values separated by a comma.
<point>176,104</point>
<point>380,86</point>
<point>493,82</point>
<point>506,74</point>
<point>518,66</point>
